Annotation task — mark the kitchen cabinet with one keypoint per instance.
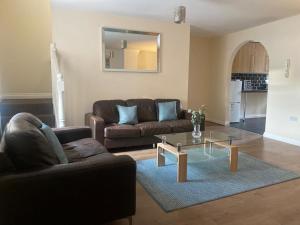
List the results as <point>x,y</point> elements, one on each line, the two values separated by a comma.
<point>251,58</point>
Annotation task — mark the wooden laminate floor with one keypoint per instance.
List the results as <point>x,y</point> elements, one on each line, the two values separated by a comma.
<point>274,205</point>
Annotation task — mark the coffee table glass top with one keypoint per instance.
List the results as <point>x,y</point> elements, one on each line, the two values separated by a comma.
<point>186,139</point>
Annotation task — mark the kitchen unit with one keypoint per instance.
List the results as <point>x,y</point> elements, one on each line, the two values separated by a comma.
<point>250,68</point>
<point>252,58</point>
<point>247,102</point>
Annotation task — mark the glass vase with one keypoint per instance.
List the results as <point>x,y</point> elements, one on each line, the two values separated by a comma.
<point>196,133</point>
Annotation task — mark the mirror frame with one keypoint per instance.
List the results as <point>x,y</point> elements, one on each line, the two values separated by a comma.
<point>157,35</point>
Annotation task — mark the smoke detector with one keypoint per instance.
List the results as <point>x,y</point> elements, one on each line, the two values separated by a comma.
<point>179,14</point>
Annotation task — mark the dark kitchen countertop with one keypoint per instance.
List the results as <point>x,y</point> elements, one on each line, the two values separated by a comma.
<point>254,91</point>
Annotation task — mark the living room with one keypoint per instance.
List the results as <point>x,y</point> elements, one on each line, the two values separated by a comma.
<point>70,85</point>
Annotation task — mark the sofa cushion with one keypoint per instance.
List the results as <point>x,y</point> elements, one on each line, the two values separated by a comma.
<point>121,131</point>
<point>107,109</point>
<point>178,107</point>
<point>179,125</point>
<point>145,107</point>
<point>153,128</point>
<point>82,149</point>
<point>5,163</point>
<point>25,144</point>
<point>167,111</point>
<point>54,143</point>
<point>127,114</point>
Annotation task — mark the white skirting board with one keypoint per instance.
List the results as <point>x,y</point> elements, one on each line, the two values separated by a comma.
<point>282,139</point>
<point>216,121</point>
<point>25,95</point>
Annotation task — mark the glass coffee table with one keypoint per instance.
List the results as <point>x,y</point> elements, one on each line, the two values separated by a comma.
<point>179,144</point>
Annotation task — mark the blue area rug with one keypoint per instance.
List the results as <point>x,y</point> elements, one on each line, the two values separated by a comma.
<point>209,178</point>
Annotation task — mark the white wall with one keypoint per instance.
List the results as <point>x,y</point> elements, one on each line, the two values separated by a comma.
<point>205,80</point>
<point>25,35</point>
<point>78,38</point>
<point>282,41</point>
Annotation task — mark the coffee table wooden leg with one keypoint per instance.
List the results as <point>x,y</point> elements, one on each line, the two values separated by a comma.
<point>182,168</point>
<point>233,164</point>
<point>160,159</point>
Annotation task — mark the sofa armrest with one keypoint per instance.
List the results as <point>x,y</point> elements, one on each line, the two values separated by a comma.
<point>68,134</point>
<point>184,114</point>
<point>97,124</point>
<point>93,191</point>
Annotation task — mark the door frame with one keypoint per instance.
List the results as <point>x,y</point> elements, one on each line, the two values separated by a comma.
<point>233,54</point>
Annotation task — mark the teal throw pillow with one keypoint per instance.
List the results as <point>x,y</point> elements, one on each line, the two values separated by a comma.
<point>167,111</point>
<point>127,115</point>
<point>54,143</point>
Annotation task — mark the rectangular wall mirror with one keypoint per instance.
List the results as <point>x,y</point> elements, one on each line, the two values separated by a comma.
<point>130,51</point>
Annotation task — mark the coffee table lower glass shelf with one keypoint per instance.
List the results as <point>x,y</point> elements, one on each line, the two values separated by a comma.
<point>178,144</point>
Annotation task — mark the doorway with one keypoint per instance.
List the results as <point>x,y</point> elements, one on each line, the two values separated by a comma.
<point>249,88</point>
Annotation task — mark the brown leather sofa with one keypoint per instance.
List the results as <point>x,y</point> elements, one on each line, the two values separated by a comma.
<point>93,188</point>
<point>104,123</point>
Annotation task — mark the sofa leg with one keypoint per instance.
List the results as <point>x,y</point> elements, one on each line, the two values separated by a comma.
<point>130,221</point>
<point>154,145</point>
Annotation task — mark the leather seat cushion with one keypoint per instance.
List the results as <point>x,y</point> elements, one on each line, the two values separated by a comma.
<point>107,109</point>
<point>82,149</point>
<point>153,128</point>
<point>179,125</point>
<point>121,131</point>
<point>146,109</point>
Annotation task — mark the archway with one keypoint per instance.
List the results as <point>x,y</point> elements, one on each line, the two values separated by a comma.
<point>248,87</point>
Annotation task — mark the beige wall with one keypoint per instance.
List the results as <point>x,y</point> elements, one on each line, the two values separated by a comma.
<point>200,72</point>
<point>78,38</point>
<point>25,28</point>
<point>25,34</point>
<point>282,41</point>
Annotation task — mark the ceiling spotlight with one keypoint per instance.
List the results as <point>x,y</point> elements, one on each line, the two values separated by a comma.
<point>179,14</point>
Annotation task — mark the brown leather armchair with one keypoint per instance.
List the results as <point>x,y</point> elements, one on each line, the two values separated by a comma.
<point>93,188</point>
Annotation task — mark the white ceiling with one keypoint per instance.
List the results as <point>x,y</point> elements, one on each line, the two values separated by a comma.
<point>207,17</point>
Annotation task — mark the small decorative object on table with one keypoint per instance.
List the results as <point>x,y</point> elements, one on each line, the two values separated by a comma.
<point>198,120</point>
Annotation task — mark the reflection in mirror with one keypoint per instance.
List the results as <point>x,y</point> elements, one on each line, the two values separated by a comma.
<point>127,50</point>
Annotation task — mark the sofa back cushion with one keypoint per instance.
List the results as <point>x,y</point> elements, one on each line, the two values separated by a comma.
<point>145,108</point>
<point>107,109</point>
<point>25,144</point>
<point>178,107</point>
<point>54,144</point>
<point>5,163</point>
